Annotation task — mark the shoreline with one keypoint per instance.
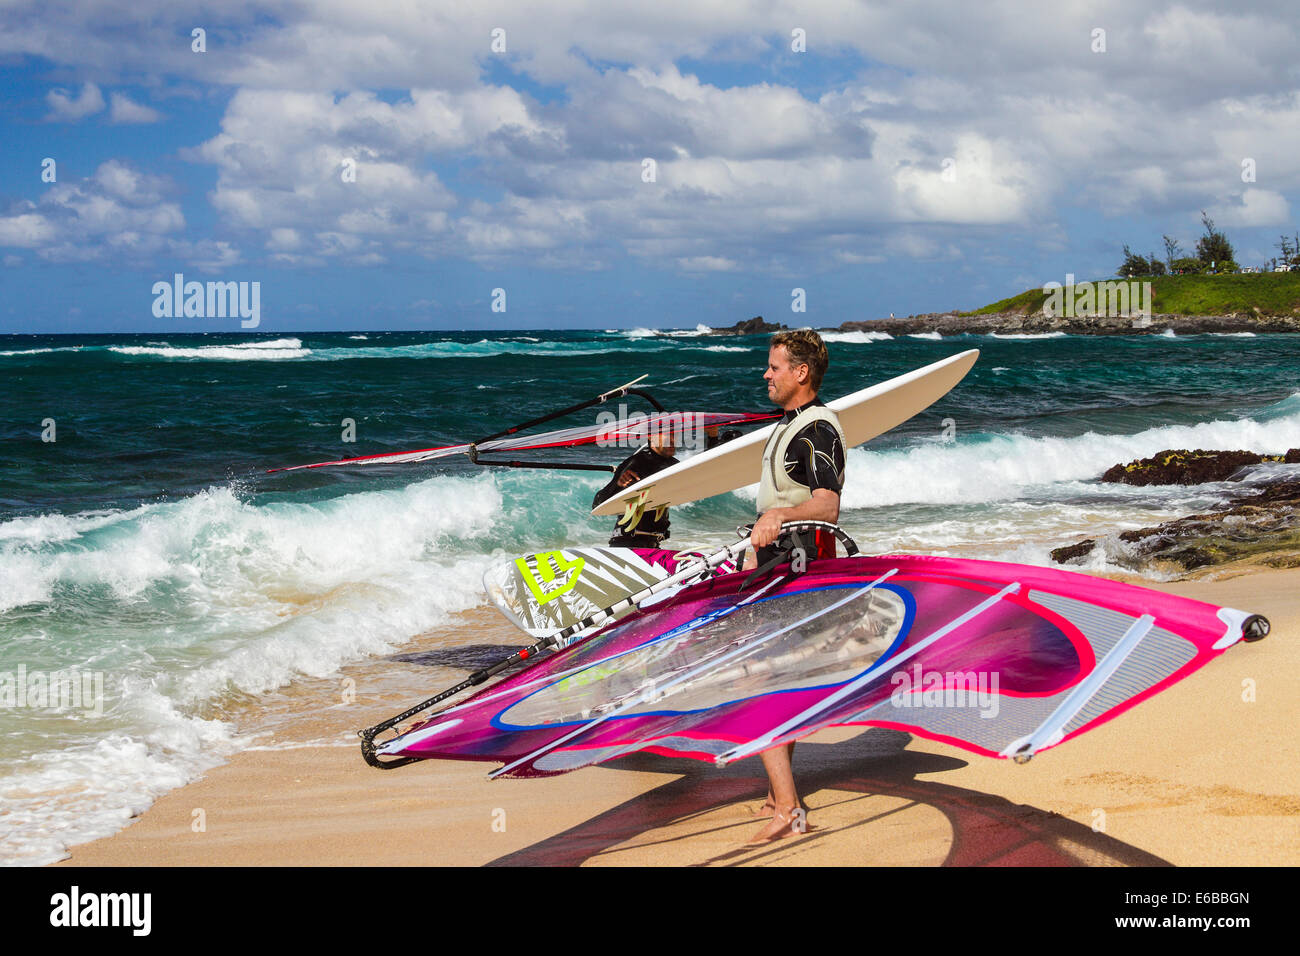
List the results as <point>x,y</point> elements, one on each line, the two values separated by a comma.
<point>1036,323</point>
<point>1019,323</point>
<point>1195,776</point>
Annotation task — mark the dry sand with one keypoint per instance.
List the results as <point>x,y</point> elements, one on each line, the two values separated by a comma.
<point>1198,775</point>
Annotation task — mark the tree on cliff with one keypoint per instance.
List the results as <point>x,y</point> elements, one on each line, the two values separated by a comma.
<point>1173,250</point>
<point>1290,250</point>
<point>1213,249</point>
<point>1136,265</point>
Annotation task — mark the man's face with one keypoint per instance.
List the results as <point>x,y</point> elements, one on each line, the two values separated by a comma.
<point>783,378</point>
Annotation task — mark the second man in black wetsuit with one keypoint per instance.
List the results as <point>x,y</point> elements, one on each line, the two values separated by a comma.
<point>648,529</point>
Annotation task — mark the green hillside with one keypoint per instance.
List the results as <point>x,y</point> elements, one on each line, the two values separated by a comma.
<point>1271,293</point>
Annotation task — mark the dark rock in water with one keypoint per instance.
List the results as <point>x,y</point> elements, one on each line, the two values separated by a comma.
<point>754,326</point>
<point>1182,467</point>
<point>1072,551</point>
<point>1263,526</point>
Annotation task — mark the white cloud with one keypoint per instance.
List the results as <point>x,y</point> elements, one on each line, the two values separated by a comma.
<point>750,172</point>
<point>978,183</point>
<point>117,210</point>
<point>26,230</point>
<point>122,109</point>
<point>311,165</point>
<point>858,258</point>
<point>1257,207</point>
<point>707,264</point>
<point>284,240</point>
<point>211,256</point>
<point>68,107</point>
<point>129,185</point>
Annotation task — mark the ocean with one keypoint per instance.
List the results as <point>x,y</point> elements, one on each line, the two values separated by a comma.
<point>187,605</point>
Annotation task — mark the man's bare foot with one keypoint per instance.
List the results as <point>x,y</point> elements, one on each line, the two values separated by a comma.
<point>784,823</point>
<point>769,808</point>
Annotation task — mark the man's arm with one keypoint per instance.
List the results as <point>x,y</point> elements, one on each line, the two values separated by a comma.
<point>824,505</point>
<point>820,465</point>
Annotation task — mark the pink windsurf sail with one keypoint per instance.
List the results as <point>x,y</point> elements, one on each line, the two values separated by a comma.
<point>1002,660</point>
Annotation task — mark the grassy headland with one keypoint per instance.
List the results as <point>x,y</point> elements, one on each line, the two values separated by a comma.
<point>1264,293</point>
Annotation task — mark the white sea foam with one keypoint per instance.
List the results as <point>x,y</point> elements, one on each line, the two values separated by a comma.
<point>1016,531</point>
<point>857,338</point>
<point>684,378</point>
<point>1028,335</point>
<point>934,336</point>
<point>272,350</point>
<point>65,348</point>
<point>92,788</point>
<point>198,599</point>
<point>1002,467</point>
<point>483,348</point>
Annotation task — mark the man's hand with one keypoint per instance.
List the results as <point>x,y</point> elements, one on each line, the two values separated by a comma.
<point>824,506</point>
<point>767,528</point>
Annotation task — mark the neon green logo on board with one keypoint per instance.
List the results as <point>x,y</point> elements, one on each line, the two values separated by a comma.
<point>550,565</point>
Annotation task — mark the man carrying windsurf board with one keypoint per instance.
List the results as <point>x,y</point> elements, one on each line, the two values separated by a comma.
<point>803,475</point>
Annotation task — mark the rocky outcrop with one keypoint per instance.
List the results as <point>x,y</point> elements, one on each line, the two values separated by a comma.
<point>1263,526</point>
<point>754,326</point>
<point>1182,467</point>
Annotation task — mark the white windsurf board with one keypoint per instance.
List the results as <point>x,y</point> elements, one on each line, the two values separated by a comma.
<point>863,415</point>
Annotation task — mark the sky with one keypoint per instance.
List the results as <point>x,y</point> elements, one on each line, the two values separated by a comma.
<point>430,165</point>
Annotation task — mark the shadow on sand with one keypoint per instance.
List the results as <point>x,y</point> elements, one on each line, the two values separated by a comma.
<point>986,830</point>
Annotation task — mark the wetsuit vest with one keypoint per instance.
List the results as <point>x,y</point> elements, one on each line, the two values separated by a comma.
<point>776,489</point>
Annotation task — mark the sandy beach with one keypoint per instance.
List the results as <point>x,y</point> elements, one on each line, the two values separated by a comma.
<point>1199,775</point>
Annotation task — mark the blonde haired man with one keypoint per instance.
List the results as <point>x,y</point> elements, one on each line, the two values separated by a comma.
<point>803,475</point>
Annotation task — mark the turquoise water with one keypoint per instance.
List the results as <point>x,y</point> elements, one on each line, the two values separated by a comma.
<point>146,548</point>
